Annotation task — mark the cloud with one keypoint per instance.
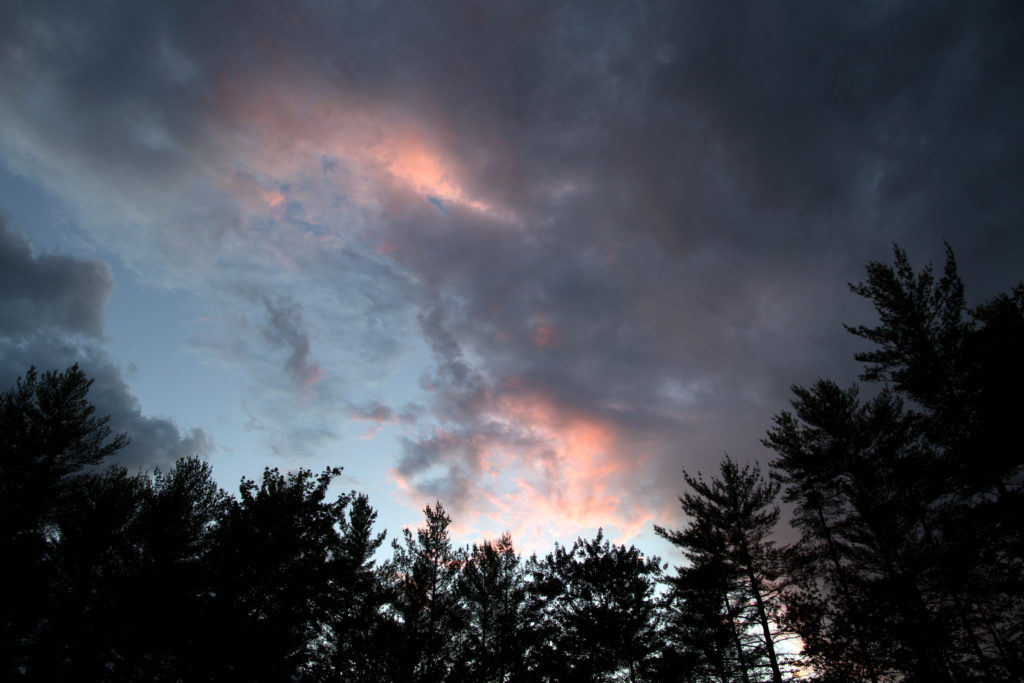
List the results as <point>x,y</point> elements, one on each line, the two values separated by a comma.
<point>509,454</point>
<point>53,311</point>
<point>620,231</point>
<point>49,290</point>
<point>284,328</point>
<point>379,414</point>
<point>155,441</point>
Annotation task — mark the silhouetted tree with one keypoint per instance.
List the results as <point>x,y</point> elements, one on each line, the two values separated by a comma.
<point>731,519</point>
<point>178,526</point>
<point>909,559</point>
<point>963,368</point>
<point>424,572</point>
<point>49,432</point>
<point>601,600</point>
<point>493,590</point>
<point>859,593</point>
<point>90,631</point>
<point>706,616</point>
<point>272,580</point>
<point>359,630</point>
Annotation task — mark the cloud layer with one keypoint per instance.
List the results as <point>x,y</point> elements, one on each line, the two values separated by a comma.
<point>613,234</point>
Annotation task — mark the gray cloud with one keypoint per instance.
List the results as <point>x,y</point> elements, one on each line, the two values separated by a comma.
<point>284,328</point>
<point>678,192</point>
<point>49,290</point>
<point>375,412</point>
<point>53,308</point>
<point>155,441</point>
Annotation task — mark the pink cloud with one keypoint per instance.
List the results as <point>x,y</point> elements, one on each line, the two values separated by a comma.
<point>546,335</point>
<point>537,469</point>
<point>284,132</point>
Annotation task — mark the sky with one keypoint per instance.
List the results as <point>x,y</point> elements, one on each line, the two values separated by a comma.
<point>530,259</point>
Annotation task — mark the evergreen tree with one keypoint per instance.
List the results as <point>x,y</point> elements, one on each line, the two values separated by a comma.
<point>424,573</point>
<point>493,590</point>
<point>272,579</point>
<point>859,595</point>
<point>731,519</point>
<point>178,526</point>
<point>705,616</point>
<point>49,434</point>
<point>91,628</point>
<point>601,600</point>
<point>963,368</point>
<point>909,558</point>
<point>359,629</point>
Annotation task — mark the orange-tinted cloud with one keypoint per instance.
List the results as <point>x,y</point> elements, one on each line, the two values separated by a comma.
<point>546,335</point>
<point>539,470</point>
<point>273,198</point>
<point>286,132</point>
<point>526,464</point>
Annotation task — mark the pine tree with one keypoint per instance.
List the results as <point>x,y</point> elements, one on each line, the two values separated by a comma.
<point>705,615</point>
<point>272,580</point>
<point>601,608</point>
<point>49,435</point>
<point>731,519</point>
<point>854,472</point>
<point>909,559</point>
<point>493,590</point>
<point>359,629</point>
<point>963,369</point>
<point>424,572</point>
<point>178,525</point>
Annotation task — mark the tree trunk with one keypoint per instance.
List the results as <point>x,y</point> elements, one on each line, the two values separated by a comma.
<point>762,617</point>
<point>848,598</point>
<point>736,639</point>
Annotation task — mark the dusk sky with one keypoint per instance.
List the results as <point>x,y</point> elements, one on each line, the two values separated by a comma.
<point>531,259</point>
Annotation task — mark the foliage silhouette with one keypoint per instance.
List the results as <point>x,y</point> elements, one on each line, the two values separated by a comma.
<point>601,606</point>
<point>731,518</point>
<point>909,562</point>
<point>424,572</point>
<point>908,565</point>
<point>49,434</point>
<point>493,587</point>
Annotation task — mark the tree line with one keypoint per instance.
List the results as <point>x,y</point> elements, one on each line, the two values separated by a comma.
<point>908,564</point>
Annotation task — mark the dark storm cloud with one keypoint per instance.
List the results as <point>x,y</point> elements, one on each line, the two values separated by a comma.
<point>155,441</point>
<point>113,75</point>
<point>873,119</point>
<point>776,129</point>
<point>633,216</point>
<point>696,185</point>
<point>49,290</point>
<point>44,299</point>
